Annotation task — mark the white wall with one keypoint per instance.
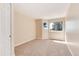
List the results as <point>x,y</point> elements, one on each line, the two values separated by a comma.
<point>24,28</point>
<point>72,29</point>
<point>44,30</point>
<point>5,46</point>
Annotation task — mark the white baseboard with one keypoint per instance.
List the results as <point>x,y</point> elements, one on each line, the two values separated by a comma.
<point>23,42</point>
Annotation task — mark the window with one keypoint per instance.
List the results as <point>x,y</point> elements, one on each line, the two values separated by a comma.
<point>56,26</point>
<point>45,25</point>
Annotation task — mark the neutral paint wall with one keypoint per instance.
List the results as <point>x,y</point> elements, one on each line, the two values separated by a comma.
<point>56,35</point>
<point>72,29</point>
<point>24,28</point>
<point>44,30</point>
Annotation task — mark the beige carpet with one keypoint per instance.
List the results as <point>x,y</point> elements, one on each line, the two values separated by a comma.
<point>42,48</point>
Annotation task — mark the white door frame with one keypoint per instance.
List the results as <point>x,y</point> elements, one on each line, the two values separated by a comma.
<point>6,46</point>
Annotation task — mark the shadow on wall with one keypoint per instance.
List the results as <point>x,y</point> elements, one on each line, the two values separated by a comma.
<point>72,34</point>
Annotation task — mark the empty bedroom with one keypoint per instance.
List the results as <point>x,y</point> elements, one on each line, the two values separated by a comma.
<point>43,29</point>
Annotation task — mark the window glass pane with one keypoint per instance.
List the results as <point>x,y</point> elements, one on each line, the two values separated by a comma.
<point>57,26</point>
